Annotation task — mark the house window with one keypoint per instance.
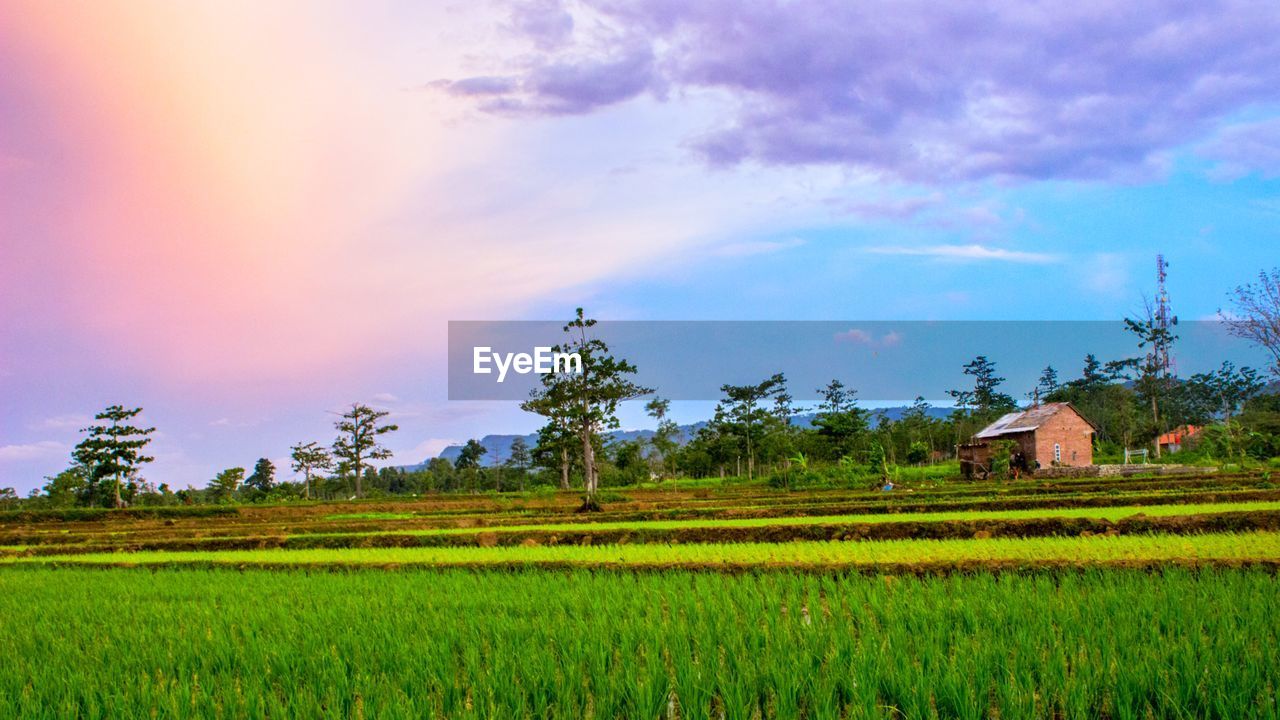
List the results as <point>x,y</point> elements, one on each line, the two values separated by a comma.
<point>1057,453</point>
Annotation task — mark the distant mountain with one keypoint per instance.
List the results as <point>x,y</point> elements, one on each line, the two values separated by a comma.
<point>499,446</point>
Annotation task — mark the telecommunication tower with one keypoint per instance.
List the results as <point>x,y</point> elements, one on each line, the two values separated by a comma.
<point>1164,322</point>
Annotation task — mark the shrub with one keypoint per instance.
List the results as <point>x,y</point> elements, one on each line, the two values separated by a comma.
<point>1001,452</point>
<point>876,461</point>
<point>917,453</point>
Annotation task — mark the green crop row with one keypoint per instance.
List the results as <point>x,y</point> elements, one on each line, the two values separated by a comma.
<point>1105,513</point>
<point>474,644</point>
<point>1100,549</point>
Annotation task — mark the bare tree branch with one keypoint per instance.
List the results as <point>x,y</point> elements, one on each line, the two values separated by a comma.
<point>1254,315</point>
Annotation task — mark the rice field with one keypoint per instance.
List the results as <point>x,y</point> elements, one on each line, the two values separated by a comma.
<point>1102,513</point>
<point>576,644</point>
<point>1262,548</point>
<point>1081,599</point>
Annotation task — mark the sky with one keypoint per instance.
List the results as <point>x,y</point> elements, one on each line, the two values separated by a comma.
<point>243,216</point>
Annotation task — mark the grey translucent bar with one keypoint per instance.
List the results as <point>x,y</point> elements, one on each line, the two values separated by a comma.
<point>883,360</point>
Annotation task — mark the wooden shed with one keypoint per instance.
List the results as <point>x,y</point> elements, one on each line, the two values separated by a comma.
<point>1048,435</point>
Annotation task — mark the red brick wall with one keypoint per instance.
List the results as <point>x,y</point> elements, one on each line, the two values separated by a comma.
<point>1069,430</point>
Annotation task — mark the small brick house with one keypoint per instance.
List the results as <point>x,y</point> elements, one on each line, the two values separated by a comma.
<point>1048,435</point>
<point>1173,440</point>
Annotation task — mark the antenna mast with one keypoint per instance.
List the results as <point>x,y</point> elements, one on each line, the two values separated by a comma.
<point>1164,321</point>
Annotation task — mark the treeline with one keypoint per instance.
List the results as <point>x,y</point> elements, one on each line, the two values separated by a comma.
<point>107,463</point>
<point>753,433</point>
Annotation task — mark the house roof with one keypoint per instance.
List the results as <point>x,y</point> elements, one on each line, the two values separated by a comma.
<point>1177,435</point>
<point>1025,420</point>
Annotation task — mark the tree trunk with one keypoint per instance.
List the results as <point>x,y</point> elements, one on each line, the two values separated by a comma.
<point>306,479</point>
<point>119,502</point>
<point>588,462</point>
<point>589,478</point>
<point>359,488</point>
<point>1155,419</point>
<point>564,466</point>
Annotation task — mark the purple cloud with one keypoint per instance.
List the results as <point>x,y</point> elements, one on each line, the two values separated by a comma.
<point>567,87</point>
<point>544,22</point>
<point>921,91</point>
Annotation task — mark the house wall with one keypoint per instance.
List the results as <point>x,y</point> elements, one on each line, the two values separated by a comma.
<point>1026,445</point>
<point>1066,428</point>
<point>974,453</point>
<point>979,453</point>
<point>1069,430</point>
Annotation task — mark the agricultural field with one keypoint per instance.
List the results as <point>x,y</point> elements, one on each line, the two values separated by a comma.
<point>1088,598</point>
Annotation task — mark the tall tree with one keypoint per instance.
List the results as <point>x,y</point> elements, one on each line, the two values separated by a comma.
<point>554,401</point>
<point>520,459</point>
<point>1047,384</point>
<point>745,409</point>
<point>663,441</point>
<point>985,398</point>
<point>263,477</point>
<point>224,485</point>
<point>471,454</point>
<point>837,398</point>
<point>1223,392</point>
<point>1255,315</point>
<point>839,419</point>
<point>1092,376</point>
<point>358,440</point>
<point>113,449</point>
<point>308,458</point>
<point>595,392</point>
<point>468,462</point>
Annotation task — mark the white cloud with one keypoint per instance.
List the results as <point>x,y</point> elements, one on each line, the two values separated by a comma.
<point>422,451</point>
<point>73,421</point>
<point>1106,274</point>
<point>385,397</point>
<point>890,208</point>
<point>972,252</point>
<point>1244,149</point>
<point>31,451</point>
<point>228,422</point>
<point>756,247</point>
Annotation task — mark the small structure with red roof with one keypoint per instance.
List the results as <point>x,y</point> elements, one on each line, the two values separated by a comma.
<point>1173,440</point>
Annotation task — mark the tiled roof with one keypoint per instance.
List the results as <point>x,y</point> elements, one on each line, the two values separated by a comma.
<point>1176,436</point>
<point>1018,422</point>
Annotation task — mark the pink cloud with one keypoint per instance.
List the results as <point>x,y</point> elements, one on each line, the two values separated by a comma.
<point>859,336</point>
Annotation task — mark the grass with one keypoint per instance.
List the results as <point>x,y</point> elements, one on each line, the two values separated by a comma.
<point>1124,626</point>
<point>460,644</point>
<point>1105,513</point>
<point>1081,551</point>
